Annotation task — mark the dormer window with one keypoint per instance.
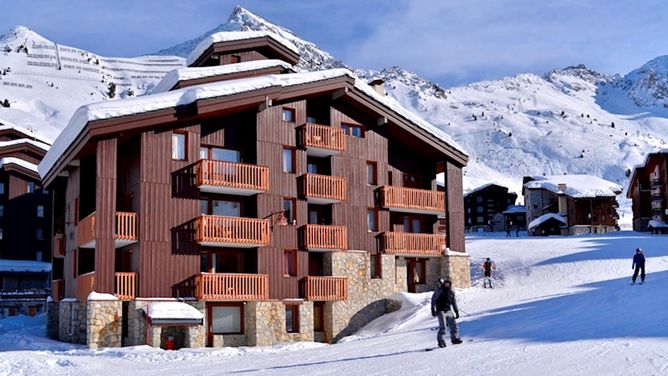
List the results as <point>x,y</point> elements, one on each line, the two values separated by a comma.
<point>288,115</point>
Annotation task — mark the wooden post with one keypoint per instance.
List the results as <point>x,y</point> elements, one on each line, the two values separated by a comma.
<point>105,215</point>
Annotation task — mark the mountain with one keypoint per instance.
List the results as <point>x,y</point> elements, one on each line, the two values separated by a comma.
<point>46,81</point>
<point>570,120</point>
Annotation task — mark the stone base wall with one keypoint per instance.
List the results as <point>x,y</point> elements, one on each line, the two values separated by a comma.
<point>582,230</point>
<point>434,266</point>
<point>458,268</point>
<point>52,318</point>
<point>265,323</point>
<point>104,323</point>
<point>401,276</point>
<point>73,322</point>
<point>194,336</point>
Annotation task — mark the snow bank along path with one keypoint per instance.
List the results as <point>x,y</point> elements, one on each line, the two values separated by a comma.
<point>561,306</point>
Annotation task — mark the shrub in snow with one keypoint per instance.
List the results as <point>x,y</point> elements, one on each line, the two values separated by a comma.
<point>112,90</point>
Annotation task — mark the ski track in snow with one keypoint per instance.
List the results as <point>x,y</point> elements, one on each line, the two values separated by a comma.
<point>561,306</point>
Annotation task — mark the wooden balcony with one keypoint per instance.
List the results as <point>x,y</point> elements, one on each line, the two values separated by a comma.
<point>321,140</point>
<point>125,233</point>
<point>411,200</point>
<point>323,189</point>
<point>655,182</point>
<point>58,245</point>
<point>84,285</point>
<point>325,237</point>
<point>57,290</point>
<point>126,285</point>
<point>231,178</point>
<point>231,287</point>
<point>325,288</point>
<point>238,232</point>
<point>408,244</point>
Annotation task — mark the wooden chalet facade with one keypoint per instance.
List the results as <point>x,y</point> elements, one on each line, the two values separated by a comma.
<point>253,196</point>
<point>648,190</point>
<point>570,205</point>
<point>485,206</point>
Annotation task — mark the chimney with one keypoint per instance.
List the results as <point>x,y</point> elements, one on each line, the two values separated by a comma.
<point>561,186</point>
<point>378,85</point>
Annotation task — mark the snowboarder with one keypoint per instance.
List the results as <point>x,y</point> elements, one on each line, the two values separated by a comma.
<point>487,268</point>
<point>638,266</point>
<point>444,307</point>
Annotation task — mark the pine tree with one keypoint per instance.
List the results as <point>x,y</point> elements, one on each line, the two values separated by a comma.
<point>5,103</point>
<point>112,90</point>
<point>131,92</point>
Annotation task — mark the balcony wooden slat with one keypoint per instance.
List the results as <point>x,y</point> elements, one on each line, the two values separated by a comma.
<point>237,287</point>
<point>322,137</point>
<point>125,228</point>
<point>325,237</point>
<point>232,175</point>
<point>326,288</point>
<point>58,245</point>
<point>324,187</point>
<point>412,199</point>
<point>403,243</point>
<point>84,284</point>
<point>126,284</point>
<point>239,231</point>
<point>86,230</point>
<point>57,289</point>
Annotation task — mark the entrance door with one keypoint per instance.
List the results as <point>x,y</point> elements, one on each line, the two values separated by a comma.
<point>415,273</point>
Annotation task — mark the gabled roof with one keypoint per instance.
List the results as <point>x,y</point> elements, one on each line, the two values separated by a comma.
<point>544,218</point>
<point>577,186</point>
<point>486,186</point>
<point>240,36</point>
<point>6,161</point>
<point>174,77</point>
<point>23,132</point>
<point>25,142</point>
<point>263,88</point>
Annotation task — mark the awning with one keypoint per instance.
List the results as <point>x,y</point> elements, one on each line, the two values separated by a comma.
<point>173,313</point>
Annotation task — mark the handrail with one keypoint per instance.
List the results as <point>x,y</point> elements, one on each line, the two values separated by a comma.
<point>325,186</point>
<point>234,230</point>
<point>232,175</point>
<point>413,244</point>
<point>84,284</point>
<point>126,284</point>
<point>322,137</point>
<point>326,288</point>
<point>412,198</point>
<point>325,237</point>
<point>231,286</point>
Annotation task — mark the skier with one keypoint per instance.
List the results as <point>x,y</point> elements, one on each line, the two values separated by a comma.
<point>487,268</point>
<point>444,306</point>
<point>638,266</point>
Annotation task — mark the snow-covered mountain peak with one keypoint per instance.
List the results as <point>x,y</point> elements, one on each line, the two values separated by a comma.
<point>647,86</point>
<point>21,36</point>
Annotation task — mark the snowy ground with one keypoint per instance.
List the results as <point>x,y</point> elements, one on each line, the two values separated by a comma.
<point>561,306</point>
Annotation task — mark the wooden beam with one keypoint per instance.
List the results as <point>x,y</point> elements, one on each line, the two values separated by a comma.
<point>382,121</point>
<point>267,103</point>
<point>339,93</point>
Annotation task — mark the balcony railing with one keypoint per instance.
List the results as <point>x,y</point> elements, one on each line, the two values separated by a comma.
<point>325,237</point>
<point>58,245</point>
<point>403,243</point>
<point>326,288</point>
<point>219,231</point>
<point>412,200</point>
<point>655,182</point>
<point>126,285</point>
<point>125,225</point>
<point>84,284</point>
<point>323,189</point>
<point>321,140</point>
<point>231,287</point>
<point>57,290</point>
<point>231,178</point>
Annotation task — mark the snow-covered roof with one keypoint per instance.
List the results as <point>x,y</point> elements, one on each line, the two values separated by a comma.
<point>184,74</point>
<point>515,209</point>
<point>169,312</point>
<point>191,94</point>
<point>19,141</point>
<point>545,217</point>
<point>7,125</point>
<point>577,186</point>
<point>101,296</point>
<point>226,36</point>
<point>657,224</point>
<point>480,188</point>
<point>17,266</point>
<point>18,162</point>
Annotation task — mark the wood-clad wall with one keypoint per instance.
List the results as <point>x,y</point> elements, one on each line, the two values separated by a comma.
<point>105,215</point>
<point>454,202</point>
<point>71,201</point>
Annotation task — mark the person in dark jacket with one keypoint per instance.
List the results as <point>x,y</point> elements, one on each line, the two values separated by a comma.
<point>444,307</point>
<point>638,266</point>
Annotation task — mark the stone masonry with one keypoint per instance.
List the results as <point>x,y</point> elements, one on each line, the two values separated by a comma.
<point>52,318</point>
<point>72,321</point>
<point>104,323</point>
<point>269,319</point>
<point>457,266</point>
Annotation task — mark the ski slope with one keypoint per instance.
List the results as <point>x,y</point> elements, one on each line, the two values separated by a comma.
<point>561,306</point>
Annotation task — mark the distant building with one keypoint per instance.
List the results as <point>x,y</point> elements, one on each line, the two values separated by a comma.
<point>484,207</point>
<point>24,287</point>
<point>570,205</point>
<point>516,216</point>
<point>647,189</point>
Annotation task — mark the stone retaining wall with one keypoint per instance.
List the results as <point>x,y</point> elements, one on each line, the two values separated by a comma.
<point>52,318</point>
<point>265,323</point>
<point>458,268</point>
<point>104,323</point>
<point>73,322</point>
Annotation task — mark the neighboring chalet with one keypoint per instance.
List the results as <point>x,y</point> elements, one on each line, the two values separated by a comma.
<point>244,204</point>
<point>516,217</point>
<point>24,287</point>
<point>570,205</point>
<point>485,206</point>
<point>648,188</point>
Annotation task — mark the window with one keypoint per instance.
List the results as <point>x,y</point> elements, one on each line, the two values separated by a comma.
<point>2,211</point>
<point>288,115</point>
<point>480,220</point>
<point>226,319</point>
<point>371,173</point>
<point>2,188</point>
<point>219,154</point>
<point>319,316</point>
<point>1,233</point>
<point>179,146</point>
<point>289,205</point>
<point>288,160</point>
<point>227,208</point>
<point>478,199</point>
<point>374,266</point>
<point>468,210</point>
<point>372,219</point>
<point>311,119</point>
<point>45,191</point>
<point>39,234</point>
<point>292,318</point>
<point>468,220</point>
<point>38,255</point>
<point>353,130</point>
<point>31,187</point>
<point>420,271</point>
<point>479,209</point>
<point>40,211</point>
<point>290,256</point>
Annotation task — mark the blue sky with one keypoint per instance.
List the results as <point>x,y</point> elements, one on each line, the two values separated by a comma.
<point>448,41</point>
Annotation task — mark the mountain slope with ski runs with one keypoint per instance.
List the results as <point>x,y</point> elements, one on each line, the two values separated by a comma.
<point>571,120</point>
